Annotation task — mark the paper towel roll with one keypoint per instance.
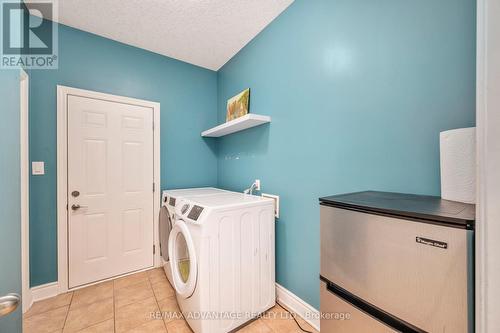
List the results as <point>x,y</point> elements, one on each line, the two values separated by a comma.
<point>458,165</point>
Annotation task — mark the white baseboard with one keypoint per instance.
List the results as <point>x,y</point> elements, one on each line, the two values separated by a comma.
<point>297,305</point>
<point>44,291</point>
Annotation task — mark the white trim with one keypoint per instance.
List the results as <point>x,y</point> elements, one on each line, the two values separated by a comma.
<point>488,156</point>
<point>45,291</point>
<point>25,190</point>
<point>62,93</point>
<point>297,305</point>
<point>480,290</point>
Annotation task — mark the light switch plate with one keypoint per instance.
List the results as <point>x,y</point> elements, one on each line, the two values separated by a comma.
<point>38,168</point>
<point>276,199</point>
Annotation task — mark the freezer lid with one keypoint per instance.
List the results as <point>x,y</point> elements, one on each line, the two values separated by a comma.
<point>424,207</point>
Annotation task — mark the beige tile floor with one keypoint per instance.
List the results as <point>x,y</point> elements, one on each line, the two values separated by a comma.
<point>126,304</point>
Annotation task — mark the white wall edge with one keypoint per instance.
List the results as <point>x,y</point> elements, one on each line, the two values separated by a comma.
<point>27,299</point>
<point>487,229</point>
<point>297,305</point>
<point>44,291</point>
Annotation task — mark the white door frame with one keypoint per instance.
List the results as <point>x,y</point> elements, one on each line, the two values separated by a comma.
<point>25,190</point>
<point>488,175</point>
<point>62,172</point>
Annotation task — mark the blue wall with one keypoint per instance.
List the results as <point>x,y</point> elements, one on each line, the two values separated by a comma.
<point>188,100</point>
<point>358,92</point>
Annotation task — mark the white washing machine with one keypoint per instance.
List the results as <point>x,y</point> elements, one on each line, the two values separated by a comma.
<point>169,199</point>
<point>222,260</point>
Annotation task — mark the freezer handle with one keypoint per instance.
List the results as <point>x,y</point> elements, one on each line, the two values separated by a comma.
<point>370,309</point>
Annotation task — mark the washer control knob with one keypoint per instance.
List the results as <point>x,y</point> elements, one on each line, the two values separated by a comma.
<point>184,209</point>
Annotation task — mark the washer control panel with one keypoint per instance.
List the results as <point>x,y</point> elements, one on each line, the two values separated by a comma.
<point>195,213</point>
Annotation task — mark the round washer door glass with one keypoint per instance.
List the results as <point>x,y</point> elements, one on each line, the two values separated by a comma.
<point>182,259</point>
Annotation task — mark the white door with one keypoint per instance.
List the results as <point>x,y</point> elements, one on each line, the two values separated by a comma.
<point>110,189</point>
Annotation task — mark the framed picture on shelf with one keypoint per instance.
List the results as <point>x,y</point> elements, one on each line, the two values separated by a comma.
<point>237,106</point>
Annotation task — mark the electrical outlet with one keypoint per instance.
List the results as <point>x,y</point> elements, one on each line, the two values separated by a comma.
<point>257,184</point>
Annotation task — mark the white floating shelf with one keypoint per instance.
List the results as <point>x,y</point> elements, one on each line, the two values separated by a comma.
<point>236,125</point>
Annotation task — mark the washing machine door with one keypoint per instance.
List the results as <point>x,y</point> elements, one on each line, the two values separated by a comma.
<point>182,259</point>
<point>165,227</point>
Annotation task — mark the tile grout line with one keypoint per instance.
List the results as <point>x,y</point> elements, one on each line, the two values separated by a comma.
<point>93,325</point>
<point>67,313</point>
<point>86,305</point>
<point>133,285</point>
<point>157,303</point>
<point>149,284</point>
<point>43,312</point>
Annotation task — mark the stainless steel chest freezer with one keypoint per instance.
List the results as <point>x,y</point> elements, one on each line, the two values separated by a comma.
<point>395,262</point>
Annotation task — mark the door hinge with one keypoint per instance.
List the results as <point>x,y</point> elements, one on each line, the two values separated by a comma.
<point>154,249</point>
<point>154,187</point>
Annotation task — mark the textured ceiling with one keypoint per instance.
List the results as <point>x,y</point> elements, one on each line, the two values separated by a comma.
<point>206,33</point>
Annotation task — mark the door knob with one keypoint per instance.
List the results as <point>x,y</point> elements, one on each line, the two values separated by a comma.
<point>77,207</point>
<point>9,304</point>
